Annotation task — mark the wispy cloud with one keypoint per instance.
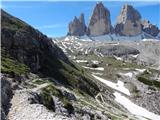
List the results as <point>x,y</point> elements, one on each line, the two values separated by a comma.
<point>52,26</point>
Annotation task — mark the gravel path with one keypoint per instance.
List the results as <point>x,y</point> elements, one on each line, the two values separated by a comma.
<point>21,109</point>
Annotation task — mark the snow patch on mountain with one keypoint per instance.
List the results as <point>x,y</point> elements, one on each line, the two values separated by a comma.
<point>133,108</point>
<point>90,68</point>
<point>119,86</point>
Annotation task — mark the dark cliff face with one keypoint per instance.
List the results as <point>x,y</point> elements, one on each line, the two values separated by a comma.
<point>27,44</point>
<point>30,47</point>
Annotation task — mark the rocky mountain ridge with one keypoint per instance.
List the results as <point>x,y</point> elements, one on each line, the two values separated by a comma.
<point>77,26</point>
<point>129,23</point>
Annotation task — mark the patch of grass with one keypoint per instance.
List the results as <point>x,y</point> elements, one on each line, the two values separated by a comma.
<point>147,78</point>
<point>50,91</point>
<point>120,64</point>
<point>9,65</point>
<point>149,82</point>
<point>156,83</point>
<point>78,79</point>
<point>39,81</point>
<point>47,100</point>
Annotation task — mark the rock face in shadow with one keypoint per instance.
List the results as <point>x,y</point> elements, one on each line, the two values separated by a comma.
<point>28,45</point>
<point>100,23</point>
<point>77,27</point>
<point>150,28</point>
<point>6,95</point>
<point>128,22</point>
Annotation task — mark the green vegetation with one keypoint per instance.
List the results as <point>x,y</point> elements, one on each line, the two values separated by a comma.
<point>119,64</point>
<point>39,81</point>
<point>147,78</point>
<point>70,75</point>
<point>110,64</point>
<point>9,65</point>
<point>149,82</point>
<point>111,61</point>
<point>50,91</point>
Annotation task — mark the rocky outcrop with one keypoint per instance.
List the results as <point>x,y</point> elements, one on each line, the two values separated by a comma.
<point>100,22</point>
<point>6,95</point>
<point>150,28</point>
<point>77,27</point>
<point>128,22</point>
<point>119,50</point>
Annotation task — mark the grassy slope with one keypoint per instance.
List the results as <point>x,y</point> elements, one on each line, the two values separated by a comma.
<point>147,78</point>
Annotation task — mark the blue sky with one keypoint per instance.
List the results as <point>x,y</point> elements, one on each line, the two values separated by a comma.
<point>52,17</point>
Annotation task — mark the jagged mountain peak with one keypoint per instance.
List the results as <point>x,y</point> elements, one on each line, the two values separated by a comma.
<point>81,18</point>
<point>100,22</point>
<point>131,12</point>
<point>77,27</point>
<point>128,23</point>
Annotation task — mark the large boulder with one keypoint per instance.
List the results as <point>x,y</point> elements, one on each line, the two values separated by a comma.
<point>128,22</point>
<point>77,27</point>
<point>100,22</point>
<point>150,28</point>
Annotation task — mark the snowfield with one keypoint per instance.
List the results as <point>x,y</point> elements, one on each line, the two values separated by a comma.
<point>85,38</point>
<point>140,70</point>
<point>135,109</point>
<point>81,61</point>
<point>134,56</point>
<point>140,112</point>
<point>149,40</point>
<point>119,86</point>
<point>98,68</point>
<point>95,62</point>
<point>117,58</point>
<point>116,37</point>
<point>129,74</point>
